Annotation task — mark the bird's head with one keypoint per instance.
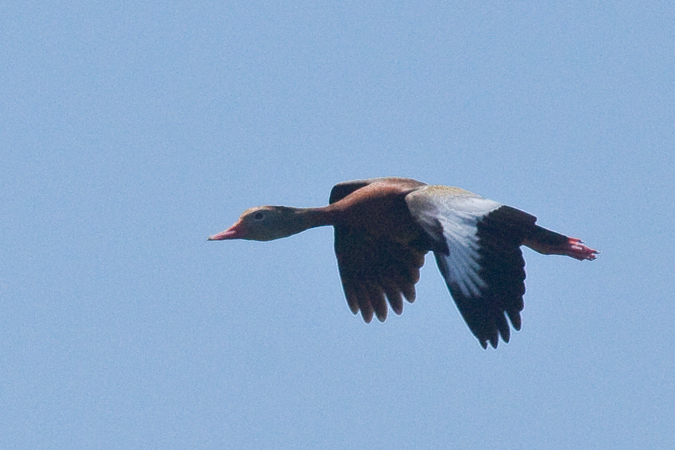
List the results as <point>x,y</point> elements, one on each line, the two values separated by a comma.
<point>263,223</point>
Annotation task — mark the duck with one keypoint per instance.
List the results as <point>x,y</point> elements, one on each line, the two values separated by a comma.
<point>385,226</point>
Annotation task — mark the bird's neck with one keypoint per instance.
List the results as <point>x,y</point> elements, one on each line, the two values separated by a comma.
<point>301,219</point>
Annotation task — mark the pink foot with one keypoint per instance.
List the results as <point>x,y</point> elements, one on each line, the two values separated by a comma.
<point>577,250</point>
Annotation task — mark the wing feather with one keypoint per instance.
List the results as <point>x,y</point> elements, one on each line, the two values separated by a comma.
<point>484,267</point>
<point>372,269</point>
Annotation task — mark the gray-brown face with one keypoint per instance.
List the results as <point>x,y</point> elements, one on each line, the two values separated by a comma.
<point>263,223</point>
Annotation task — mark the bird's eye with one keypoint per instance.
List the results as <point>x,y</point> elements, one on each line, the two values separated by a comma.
<point>258,216</point>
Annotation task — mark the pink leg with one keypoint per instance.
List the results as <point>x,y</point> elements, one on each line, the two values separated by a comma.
<point>573,248</point>
<point>577,250</point>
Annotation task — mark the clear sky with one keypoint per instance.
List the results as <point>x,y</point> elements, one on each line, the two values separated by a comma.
<point>131,131</point>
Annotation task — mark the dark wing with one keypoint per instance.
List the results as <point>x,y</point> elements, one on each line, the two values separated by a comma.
<point>502,268</point>
<point>377,265</point>
<point>379,245</point>
<point>484,266</point>
<point>373,268</point>
<point>341,190</point>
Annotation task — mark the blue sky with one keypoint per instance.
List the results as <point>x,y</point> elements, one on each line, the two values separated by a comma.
<point>130,131</point>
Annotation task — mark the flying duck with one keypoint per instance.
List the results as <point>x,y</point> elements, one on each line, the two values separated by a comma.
<point>385,226</point>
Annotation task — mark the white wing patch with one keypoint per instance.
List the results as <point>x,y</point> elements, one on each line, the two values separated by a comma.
<point>457,212</point>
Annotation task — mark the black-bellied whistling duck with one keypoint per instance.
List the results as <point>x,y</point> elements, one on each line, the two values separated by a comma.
<point>385,226</point>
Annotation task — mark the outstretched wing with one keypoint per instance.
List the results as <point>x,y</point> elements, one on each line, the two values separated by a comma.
<point>374,263</point>
<point>483,266</point>
<point>372,268</point>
